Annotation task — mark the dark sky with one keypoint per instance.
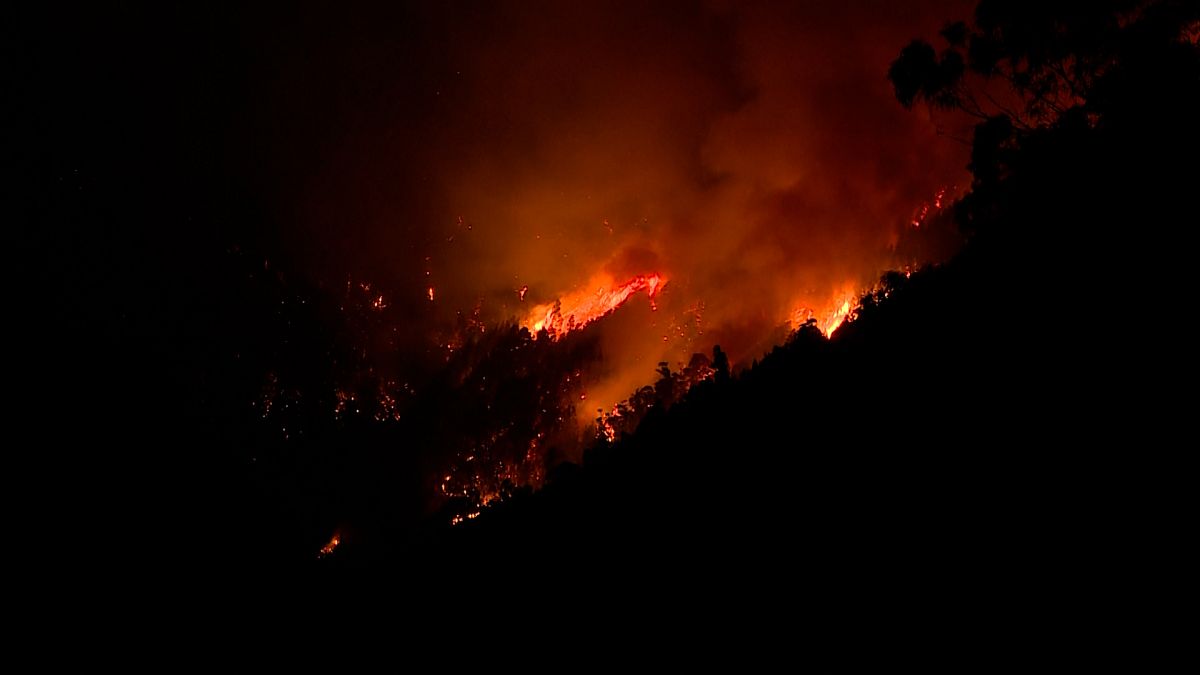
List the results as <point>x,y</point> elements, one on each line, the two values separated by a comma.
<point>750,152</point>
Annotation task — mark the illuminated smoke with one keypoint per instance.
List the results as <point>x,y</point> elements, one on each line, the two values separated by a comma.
<point>756,158</point>
<point>581,308</point>
<point>551,164</point>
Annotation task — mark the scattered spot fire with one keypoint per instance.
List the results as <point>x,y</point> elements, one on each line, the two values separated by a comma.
<point>519,399</point>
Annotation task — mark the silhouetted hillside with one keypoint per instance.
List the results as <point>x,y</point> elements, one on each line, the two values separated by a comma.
<point>972,418</point>
<point>194,399</point>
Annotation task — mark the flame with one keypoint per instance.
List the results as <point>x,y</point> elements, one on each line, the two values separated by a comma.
<point>839,316</point>
<point>599,297</point>
<point>329,548</point>
<point>607,430</point>
<point>835,313</point>
<point>923,211</point>
<point>470,516</point>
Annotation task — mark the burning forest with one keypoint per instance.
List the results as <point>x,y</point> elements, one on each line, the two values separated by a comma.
<point>497,405</point>
<point>591,229</point>
<point>401,273</point>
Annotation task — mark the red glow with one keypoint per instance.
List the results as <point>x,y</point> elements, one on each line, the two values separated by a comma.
<point>599,297</point>
<point>831,314</point>
<point>329,548</point>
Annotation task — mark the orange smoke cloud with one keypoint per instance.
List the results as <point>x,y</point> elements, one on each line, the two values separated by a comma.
<point>577,310</point>
<point>524,153</point>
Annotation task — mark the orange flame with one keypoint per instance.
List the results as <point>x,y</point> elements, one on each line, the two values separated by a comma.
<point>838,317</point>
<point>328,548</point>
<point>578,309</point>
<point>828,320</point>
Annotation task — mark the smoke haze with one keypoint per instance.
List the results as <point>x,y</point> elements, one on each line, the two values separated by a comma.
<point>751,153</point>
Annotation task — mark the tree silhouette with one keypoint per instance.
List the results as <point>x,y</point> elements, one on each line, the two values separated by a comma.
<point>720,364</point>
<point>1049,54</point>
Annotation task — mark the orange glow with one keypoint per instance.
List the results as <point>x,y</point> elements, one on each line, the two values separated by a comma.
<point>839,316</point>
<point>599,297</point>
<point>470,516</point>
<point>329,548</point>
<point>429,291</point>
<point>828,319</point>
<point>927,208</point>
<point>606,428</point>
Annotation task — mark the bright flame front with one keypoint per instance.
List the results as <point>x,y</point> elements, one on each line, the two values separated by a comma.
<point>599,297</point>
<point>834,314</point>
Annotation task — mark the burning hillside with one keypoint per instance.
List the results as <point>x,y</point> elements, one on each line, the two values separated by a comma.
<point>507,244</point>
<point>596,299</point>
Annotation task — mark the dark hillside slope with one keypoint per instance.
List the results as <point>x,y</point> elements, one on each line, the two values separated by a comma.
<point>991,416</point>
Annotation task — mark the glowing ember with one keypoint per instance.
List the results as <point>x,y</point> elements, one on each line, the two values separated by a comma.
<point>607,430</point>
<point>429,291</point>
<point>923,212</point>
<point>580,308</point>
<point>329,548</point>
<point>470,516</point>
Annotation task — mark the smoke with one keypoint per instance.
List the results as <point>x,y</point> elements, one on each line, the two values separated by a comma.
<point>751,153</point>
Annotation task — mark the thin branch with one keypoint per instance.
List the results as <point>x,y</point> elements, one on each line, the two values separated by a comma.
<point>943,133</point>
<point>1017,118</point>
<point>974,109</point>
<point>1058,69</point>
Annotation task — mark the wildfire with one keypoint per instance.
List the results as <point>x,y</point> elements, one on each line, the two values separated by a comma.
<point>607,431</point>
<point>329,548</point>
<point>598,298</point>
<point>470,516</point>
<point>839,316</point>
<point>829,319</point>
<point>923,211</point>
